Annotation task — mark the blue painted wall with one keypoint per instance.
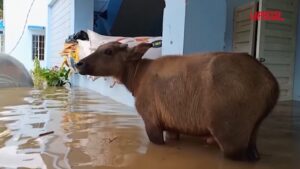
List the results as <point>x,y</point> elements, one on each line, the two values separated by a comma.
<point>205,25</point>
<point>198,16</point>
<point>83,15</point>
<point>297,62</point>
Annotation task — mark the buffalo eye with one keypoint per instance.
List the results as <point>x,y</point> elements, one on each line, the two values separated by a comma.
<point>108,51</point>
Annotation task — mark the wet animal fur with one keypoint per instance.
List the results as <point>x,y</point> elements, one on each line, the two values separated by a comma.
<point>221,95</point>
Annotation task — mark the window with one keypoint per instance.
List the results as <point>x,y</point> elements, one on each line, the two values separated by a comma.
<point>38,46</point>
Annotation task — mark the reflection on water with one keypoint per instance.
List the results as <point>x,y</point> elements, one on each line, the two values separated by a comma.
<point>92,131</point>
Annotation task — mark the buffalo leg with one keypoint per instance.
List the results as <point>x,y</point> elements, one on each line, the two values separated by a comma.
<point>234,146</point>
<point>252,153</point>
<point>155,134</point>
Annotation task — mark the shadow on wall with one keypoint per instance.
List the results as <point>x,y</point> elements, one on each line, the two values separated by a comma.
<point>13,73</point>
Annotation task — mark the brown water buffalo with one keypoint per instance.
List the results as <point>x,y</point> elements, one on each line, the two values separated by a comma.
<point>224,96</point>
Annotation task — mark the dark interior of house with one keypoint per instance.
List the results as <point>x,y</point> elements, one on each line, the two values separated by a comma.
<point>120,16</point>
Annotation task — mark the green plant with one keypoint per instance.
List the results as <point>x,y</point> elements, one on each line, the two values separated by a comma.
<point>56,76</point>
<point>37,72</point>
<point>52,77</point>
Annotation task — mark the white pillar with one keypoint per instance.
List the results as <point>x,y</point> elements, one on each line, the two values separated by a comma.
<point>173,27</point>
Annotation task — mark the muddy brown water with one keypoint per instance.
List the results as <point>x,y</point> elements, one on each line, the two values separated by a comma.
<point>93,132</point>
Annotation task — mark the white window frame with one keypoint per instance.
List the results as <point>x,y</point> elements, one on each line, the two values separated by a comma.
<point>2,45</point>
<point>40,46</point>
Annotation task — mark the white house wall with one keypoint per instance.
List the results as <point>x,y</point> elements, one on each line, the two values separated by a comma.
<point>15,12</point>
<point>60,23</point>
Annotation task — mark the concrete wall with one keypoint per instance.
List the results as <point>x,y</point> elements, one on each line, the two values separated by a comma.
<point>173,27</point>
<point>194,26</point>
<point>118,93</point>
<point>15,12</point>
<point>205,23</point>
<point>297,62</point>
<point>180,38</point>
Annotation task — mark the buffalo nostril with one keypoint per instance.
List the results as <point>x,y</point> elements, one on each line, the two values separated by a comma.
<point>79,64</point>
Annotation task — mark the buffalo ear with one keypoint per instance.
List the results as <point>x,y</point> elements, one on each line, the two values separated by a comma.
<point>138,51</point>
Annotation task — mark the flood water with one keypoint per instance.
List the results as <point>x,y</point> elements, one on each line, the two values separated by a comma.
<point>93,132</point>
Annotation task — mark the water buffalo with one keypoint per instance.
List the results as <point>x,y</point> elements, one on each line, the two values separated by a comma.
<point>220,95</point>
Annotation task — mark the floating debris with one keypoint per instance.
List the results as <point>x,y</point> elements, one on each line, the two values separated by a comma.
<point>45,134</point>
<point>111,140</point>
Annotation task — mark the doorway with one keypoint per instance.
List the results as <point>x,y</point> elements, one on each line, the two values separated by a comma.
<point>271,42</point>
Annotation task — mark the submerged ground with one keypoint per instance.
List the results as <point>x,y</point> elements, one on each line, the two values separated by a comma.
<point>92,131</point>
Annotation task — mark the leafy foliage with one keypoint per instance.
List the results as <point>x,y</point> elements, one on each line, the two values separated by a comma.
<point>1,9</point>
<point>37,72</point>
<point>56,76</point>
<point>52,77</point>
